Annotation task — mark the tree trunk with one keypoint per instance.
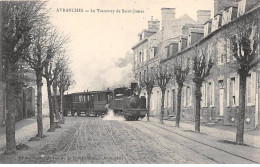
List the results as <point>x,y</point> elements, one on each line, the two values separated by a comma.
<point>178,116</point>
<point>241,112</point>
<point>52,125</point>
<point>197,102</point>
<point>10,120</point>
<point>61,106</point>
<point>148,105</point>
<point>55,102</point>
<point>162,106</point>
<point>39,103</point>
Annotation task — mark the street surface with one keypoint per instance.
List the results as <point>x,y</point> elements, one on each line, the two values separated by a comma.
<point>97,140</point>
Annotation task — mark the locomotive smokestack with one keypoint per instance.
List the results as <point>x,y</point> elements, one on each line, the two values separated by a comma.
<point>133,86</point>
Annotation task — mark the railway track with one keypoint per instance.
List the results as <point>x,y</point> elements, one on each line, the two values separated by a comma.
<point>191,140</point>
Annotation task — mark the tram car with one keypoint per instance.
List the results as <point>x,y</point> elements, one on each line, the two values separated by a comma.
<point>89,103</point>
<point>67,104</point>
<point>127,103</point>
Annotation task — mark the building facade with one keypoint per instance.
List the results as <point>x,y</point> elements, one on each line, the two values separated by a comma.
<point>220,91</point>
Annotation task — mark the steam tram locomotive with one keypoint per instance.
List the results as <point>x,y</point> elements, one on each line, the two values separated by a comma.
<point>128,104</point>
<point>89,103</point>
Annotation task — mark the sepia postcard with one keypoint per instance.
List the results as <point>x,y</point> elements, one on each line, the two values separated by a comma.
<point>130,82</point>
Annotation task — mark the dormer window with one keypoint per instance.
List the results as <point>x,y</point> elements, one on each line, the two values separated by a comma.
<point>241,8</point>
<point>229,14</point>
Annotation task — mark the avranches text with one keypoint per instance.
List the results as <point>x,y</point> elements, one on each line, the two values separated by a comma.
<point>112,11</point>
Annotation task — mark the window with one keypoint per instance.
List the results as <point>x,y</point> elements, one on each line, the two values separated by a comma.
<point>140,57</point>
<point>80,98</point>
<point>235,91</point>
<point>171,50</point>
<point>211,94</point>
<point>99,97</point>
<point>188,96</point>
<point>241,8</point>
<point>204,95</point>
<point>228,50</point>
<point>179,46</point>
<point>188,63</point>
<point>167,51</point>
<point>145,55</point>
<point>221,52</point>
<point>155,51</point>
<point>251,89</point>
<point>140,77</point>
<point>189,40</point>
<point>248,90</point>
<point>228,90</point>
<point>152,54</point>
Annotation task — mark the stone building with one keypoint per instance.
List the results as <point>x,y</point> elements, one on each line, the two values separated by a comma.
<point>220,91</point>
<point>152,47</point>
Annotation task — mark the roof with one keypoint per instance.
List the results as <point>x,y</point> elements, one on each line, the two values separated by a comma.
<point>150,30</point>
<point>193,26</point>
<point>196,30</point>
<point>139,43</point>
<point>213,33</point>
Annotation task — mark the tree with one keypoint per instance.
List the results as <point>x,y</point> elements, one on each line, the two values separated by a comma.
<point>18,19</point>
<point>64,81</point>
<point>148,82</point>
<point>55,45</point>
<point>180,75</point>
<point>201,67</point>
<point>56,72</point>
<point>37,57</point>
<point>163,77</point>
<point>244,39</point>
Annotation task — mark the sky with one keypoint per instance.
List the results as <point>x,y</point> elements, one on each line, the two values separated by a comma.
<point>100,43</point>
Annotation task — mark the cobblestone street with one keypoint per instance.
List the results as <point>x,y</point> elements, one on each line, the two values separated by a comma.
<point>96,140</point>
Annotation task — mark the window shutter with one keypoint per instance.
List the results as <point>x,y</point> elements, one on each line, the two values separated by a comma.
<point>203,95</point>
<point>184,100</point>
<point>145,55</point>
<point>237,90</point>
<point>228,90</point>
<point>228,50</point>
<point>190,95</point>
<point>206,95</point>
<point>213,93</point>
<point>253,87</point>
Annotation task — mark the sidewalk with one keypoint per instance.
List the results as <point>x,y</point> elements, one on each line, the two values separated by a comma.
<point>220,133</point>
<point>24,130</point>
<point>211,136</point>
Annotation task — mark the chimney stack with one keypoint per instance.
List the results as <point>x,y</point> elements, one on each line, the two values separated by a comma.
<point>203,16</point>
<point>153,24</point>
<point>168,14</point>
